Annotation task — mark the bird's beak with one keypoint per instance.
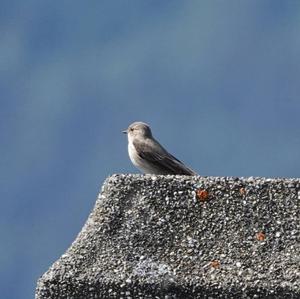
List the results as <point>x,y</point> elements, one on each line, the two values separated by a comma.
<point>124,132</point>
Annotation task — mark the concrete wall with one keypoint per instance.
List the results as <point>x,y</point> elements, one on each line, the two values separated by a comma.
<point>184,237</point>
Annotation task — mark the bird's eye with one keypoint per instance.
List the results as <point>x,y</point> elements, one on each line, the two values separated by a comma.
<point>131,129</point>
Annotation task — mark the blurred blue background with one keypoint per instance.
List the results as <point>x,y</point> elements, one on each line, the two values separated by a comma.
<point>218,81</point>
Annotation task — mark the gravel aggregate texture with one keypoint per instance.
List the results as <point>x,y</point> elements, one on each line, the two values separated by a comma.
<point>154,236</point>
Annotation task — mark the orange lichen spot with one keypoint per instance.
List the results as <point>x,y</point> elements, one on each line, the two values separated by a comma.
<point>202,194</point>
<point>215,264</point>
<point>260,236</point>
<point>242,191</point>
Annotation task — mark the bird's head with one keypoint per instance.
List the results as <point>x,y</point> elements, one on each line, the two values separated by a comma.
<point>138,129</point>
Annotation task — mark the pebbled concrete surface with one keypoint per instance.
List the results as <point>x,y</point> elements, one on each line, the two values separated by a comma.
<point>184,237</point>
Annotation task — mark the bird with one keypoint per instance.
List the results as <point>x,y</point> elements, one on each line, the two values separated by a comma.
<point>149,156</point>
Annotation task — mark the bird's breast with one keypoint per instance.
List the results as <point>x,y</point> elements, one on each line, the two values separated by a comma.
<point>134,157</point>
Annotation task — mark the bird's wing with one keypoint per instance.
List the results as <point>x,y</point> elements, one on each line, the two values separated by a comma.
<point>161,158</point>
